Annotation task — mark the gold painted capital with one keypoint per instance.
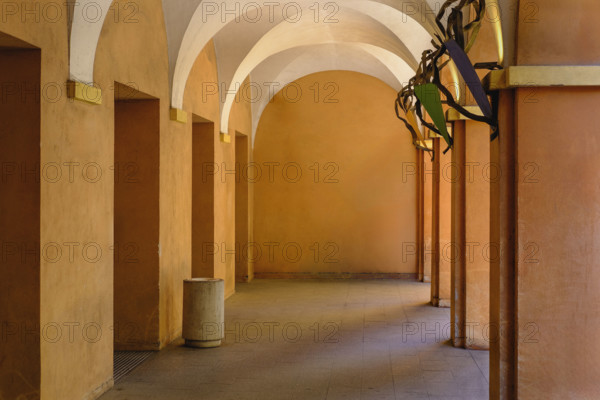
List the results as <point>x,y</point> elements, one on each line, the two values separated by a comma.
<point>178,115</point>
<point>542,76</point>
<point>225,138</point>
<point>454,115</point>
<point>428,143</point>
<point>82,92</point>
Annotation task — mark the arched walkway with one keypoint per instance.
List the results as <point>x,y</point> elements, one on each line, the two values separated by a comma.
<point>319,340</point>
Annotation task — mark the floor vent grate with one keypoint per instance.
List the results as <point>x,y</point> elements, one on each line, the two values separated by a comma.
<point>127,361</point>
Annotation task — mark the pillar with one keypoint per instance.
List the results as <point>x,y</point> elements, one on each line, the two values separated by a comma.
<point>441,223</point>
<point>244,271</point>
<point>420,217</point>
<point>425,222</point>
<point>546,283</point>
<point>470,235</point>
<point>471,211</point>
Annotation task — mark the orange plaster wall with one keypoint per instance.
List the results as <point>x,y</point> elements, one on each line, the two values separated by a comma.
<point>74,291</point>
<point>356,214</point>
<point>555,32</point>
<point>82,292</point>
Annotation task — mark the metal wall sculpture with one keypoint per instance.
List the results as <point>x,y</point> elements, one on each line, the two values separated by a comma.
<point>425,91</point>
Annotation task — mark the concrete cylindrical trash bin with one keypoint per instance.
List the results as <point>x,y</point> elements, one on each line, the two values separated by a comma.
<point>203,312</point>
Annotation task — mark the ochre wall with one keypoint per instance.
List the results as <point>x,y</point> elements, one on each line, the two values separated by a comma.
<point>76,293</point>
<point>356,214</point>
<point>82,292</point>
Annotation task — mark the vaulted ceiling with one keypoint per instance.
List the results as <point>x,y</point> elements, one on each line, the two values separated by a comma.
<point>279,41</point>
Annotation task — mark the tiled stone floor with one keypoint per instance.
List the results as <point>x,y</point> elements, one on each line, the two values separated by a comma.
<point>317,340</point>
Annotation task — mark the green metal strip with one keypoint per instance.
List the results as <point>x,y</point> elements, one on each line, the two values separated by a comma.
<point>429,96</point>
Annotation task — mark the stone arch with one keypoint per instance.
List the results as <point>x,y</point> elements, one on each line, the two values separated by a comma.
<point>279,70</point>
<point>417,17</point>
<point>87,19</point>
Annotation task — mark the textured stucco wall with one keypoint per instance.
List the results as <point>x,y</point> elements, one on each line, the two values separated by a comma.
<point>354,211</point>
<point>76,293</point>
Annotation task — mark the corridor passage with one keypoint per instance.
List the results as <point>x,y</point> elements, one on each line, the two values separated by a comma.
<point>313,340</point>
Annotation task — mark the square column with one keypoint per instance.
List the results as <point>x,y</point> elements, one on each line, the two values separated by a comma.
<point>545,209</point>
<point>470,234</point>
<point>441,224</point>
<point>425,220</point>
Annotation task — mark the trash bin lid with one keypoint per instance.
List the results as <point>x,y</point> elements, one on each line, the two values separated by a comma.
<point>203,280</point>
